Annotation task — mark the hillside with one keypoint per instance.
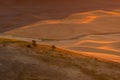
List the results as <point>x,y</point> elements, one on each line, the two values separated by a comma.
<point>19,13</point>
<point>92,22</point>
<point>76,39</point>
<point>20,62</point>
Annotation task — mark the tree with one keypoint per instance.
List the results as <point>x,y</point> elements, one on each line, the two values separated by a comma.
<point>53,46</point>
<point>34,43</point>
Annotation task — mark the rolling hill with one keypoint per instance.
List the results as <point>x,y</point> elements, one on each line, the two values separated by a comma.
<point>19,13</point>
<point>41,62</point>
<point>86,36</point>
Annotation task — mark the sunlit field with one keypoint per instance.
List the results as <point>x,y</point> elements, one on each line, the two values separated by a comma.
<point>59,40</point>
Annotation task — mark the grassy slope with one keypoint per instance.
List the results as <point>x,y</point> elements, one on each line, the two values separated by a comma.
<point>44,63</point>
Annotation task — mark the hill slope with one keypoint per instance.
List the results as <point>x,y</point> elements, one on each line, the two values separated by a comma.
<point>44,63</point>
<point>19,13</point>
<point>92,22</point>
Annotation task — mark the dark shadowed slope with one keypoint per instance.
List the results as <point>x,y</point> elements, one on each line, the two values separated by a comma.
<point>18,13</point>
<point>69,5</point>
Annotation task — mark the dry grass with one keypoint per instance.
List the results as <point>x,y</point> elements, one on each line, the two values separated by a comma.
<point>46,63</point>
<point>6,42</point>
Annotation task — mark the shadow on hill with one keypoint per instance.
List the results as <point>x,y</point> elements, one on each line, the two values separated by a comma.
<point>15,14</point>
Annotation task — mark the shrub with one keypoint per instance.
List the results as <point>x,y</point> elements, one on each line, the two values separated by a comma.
<point>34,43</point>
<point>28,46</point>
<point>53,46</point>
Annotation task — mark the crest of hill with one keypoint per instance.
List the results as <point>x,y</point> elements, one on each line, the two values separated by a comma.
<point>44,63</point>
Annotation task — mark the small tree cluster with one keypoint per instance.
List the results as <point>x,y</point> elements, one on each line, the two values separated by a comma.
<point>33,44</point>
